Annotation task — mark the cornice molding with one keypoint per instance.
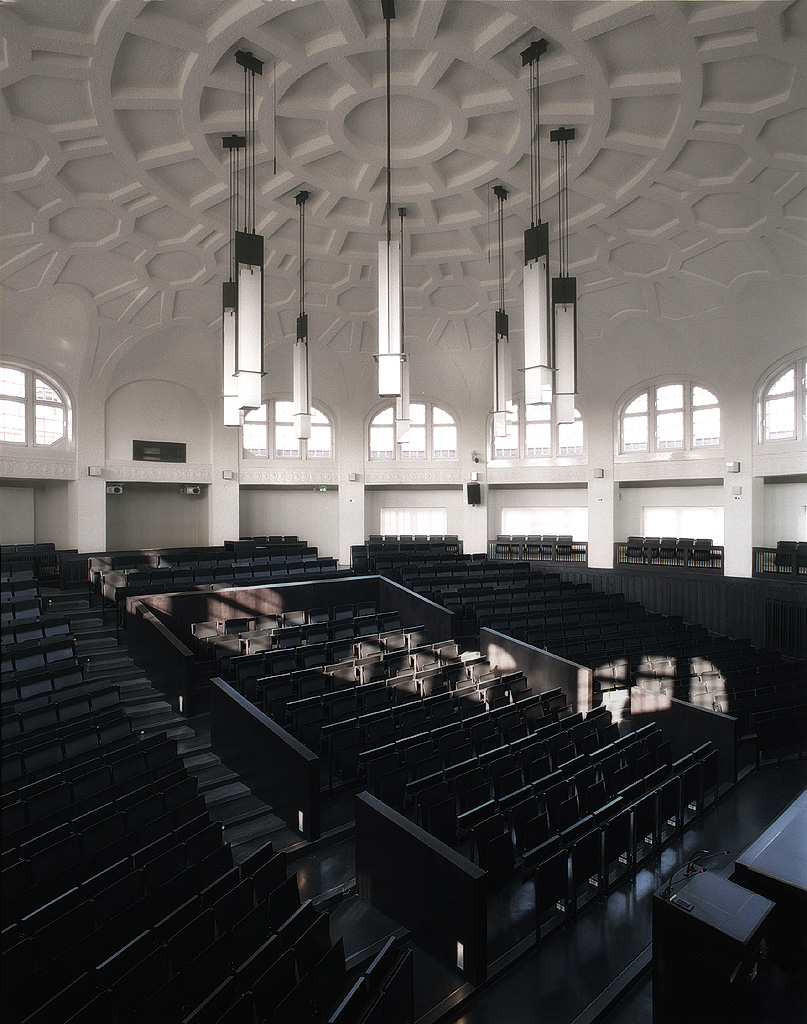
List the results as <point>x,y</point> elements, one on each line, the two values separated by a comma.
<point>159,472</point>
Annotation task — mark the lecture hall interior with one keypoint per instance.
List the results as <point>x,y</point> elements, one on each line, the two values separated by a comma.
<point>403,507</point>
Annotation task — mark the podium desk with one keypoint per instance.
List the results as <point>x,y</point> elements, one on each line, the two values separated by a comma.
<point>706,940</point>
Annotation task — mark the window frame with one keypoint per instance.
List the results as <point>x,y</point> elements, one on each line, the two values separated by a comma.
<point>688,409</point>
<point>270,424</point>
<point>429,425</point>
<point>517,415</point>
<point>29,402</point>
<point>799,367</point>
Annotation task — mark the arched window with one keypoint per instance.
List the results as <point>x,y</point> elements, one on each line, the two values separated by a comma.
<point>782,408</point>
<point>679,415</point>
<point>432,434</point>
<point>33,411</point>
<point>270,432</point>
<point>538,434</point>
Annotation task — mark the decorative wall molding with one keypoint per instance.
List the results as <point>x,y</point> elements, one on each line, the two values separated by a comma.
<point>401,475</point>
<point>159,472</point>
<point>28,467</point>
<point>264,475</point>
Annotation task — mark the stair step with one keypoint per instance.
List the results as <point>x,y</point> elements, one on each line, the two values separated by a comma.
<point>204,760</point>
<point>224,793</point>
<point>252,831</point>
<point>215,775</point>
<point>250,809</point>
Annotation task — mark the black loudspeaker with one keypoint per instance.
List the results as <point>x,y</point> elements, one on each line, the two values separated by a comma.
<point>474,493</point>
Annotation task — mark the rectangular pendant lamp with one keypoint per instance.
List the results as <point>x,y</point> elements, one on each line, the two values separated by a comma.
<point>302,381</point>
<point>389,356</point>
<point>249,318</point>
<point>502,375</point>
<point>538,354</point>
<point>564,311</point>
<point>402,420</point>
<point>232,412</point>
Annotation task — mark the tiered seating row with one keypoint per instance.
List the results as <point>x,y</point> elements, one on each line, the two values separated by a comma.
<point>364,557</point>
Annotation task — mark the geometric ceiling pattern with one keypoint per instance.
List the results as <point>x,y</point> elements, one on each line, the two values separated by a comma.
<point>686,175</point>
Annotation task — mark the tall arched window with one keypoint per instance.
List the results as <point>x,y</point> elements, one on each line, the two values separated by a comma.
<point>33,411</point>
<point>677,415</point>
<point>537,434</point>
<point>782,407</point>
<point>432,434</point>
<point>269,432</point>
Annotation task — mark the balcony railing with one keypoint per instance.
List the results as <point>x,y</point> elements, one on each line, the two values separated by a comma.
<point>533,548</point>
<point>787,561</point>
<point>669,553</point>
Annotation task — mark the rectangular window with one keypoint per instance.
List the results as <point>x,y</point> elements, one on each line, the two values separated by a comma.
<point>780,418</point>
<point>684,521</point>
<point>506,447</point>
<point>12,421</point>
<point>634,433</point>
<point>705,426</point>
<point>570,438</point>
<point>49,423</point>
<point>562,520</point>
<point>414,447</point>
<point>395,521</point>
<point>538,429</point>
<point>670,430</point>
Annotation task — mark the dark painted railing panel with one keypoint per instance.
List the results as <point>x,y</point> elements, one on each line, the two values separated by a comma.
<point>276,767</point>
<point>155,648</point>
<point>424,885</point>
<point>702,559</point>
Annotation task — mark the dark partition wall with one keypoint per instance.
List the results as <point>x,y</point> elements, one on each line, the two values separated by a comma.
<point>763,610</point>
<point>424,885</point>
<point>543,671</point>
<point>275,766</point>
<point>415,610</point>
<point>687,726</point>
<point>167,662</point>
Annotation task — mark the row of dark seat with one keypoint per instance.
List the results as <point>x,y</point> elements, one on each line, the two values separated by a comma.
<point>538,548</point>
<point>670,552</point>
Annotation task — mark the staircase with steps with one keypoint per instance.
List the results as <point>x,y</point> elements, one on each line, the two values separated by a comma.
<point>247,821</point>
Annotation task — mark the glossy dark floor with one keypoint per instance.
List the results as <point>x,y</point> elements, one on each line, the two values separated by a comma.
<point>578,972</point>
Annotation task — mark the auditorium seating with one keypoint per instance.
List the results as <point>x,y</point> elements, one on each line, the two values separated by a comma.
<point>669,553</point>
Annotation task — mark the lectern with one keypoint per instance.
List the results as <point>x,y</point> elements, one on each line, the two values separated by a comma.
<point>706,940</point>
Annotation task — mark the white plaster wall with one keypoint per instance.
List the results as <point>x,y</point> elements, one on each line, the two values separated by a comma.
<point>632,501</point>
<point>157,410</point>
<point>52,513</point>
<point>411,496</point>
<point>785,505</point>
<point>16,515</point>
<point>311,515</point>
<point>155,516</point>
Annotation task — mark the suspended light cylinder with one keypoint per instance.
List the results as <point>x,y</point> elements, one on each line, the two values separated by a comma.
<point>232,411</point>
<point>402,419</point>
<point>302,381</point>
<point>564,312</point>
<point>389,357</point>
<point>502,375</point>
<point>249,318</point>
<point>538,354</point>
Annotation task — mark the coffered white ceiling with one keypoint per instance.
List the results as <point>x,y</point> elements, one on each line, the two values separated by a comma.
<point>687,175</point>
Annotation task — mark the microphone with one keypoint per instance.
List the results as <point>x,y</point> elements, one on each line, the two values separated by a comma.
<point>690,868</point>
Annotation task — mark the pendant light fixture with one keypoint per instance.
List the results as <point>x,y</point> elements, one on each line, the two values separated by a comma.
<point>502,371</point>
<point>302,378</point>
<point>389,356</point>
<point>538,352</point>
<point>232,413</point>
<point>564,293</point>
<point>402,419</point>
<point>249,259</point>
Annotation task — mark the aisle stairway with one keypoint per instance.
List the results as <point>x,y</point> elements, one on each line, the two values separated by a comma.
<point>247,821</point>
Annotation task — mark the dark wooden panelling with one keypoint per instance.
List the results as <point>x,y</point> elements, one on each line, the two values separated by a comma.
<point>687,727</point>
<point>155,648</point>
<point>542,670</point>
<point>275,766</point>
<point>424,885</point>
<point>729,604</point>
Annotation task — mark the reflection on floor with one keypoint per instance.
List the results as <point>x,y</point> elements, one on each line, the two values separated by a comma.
<point>578,972</point>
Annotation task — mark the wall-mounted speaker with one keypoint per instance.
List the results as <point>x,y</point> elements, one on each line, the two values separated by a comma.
<point>474,491</point>
<point>191,489</point>
<point>114,489</point>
